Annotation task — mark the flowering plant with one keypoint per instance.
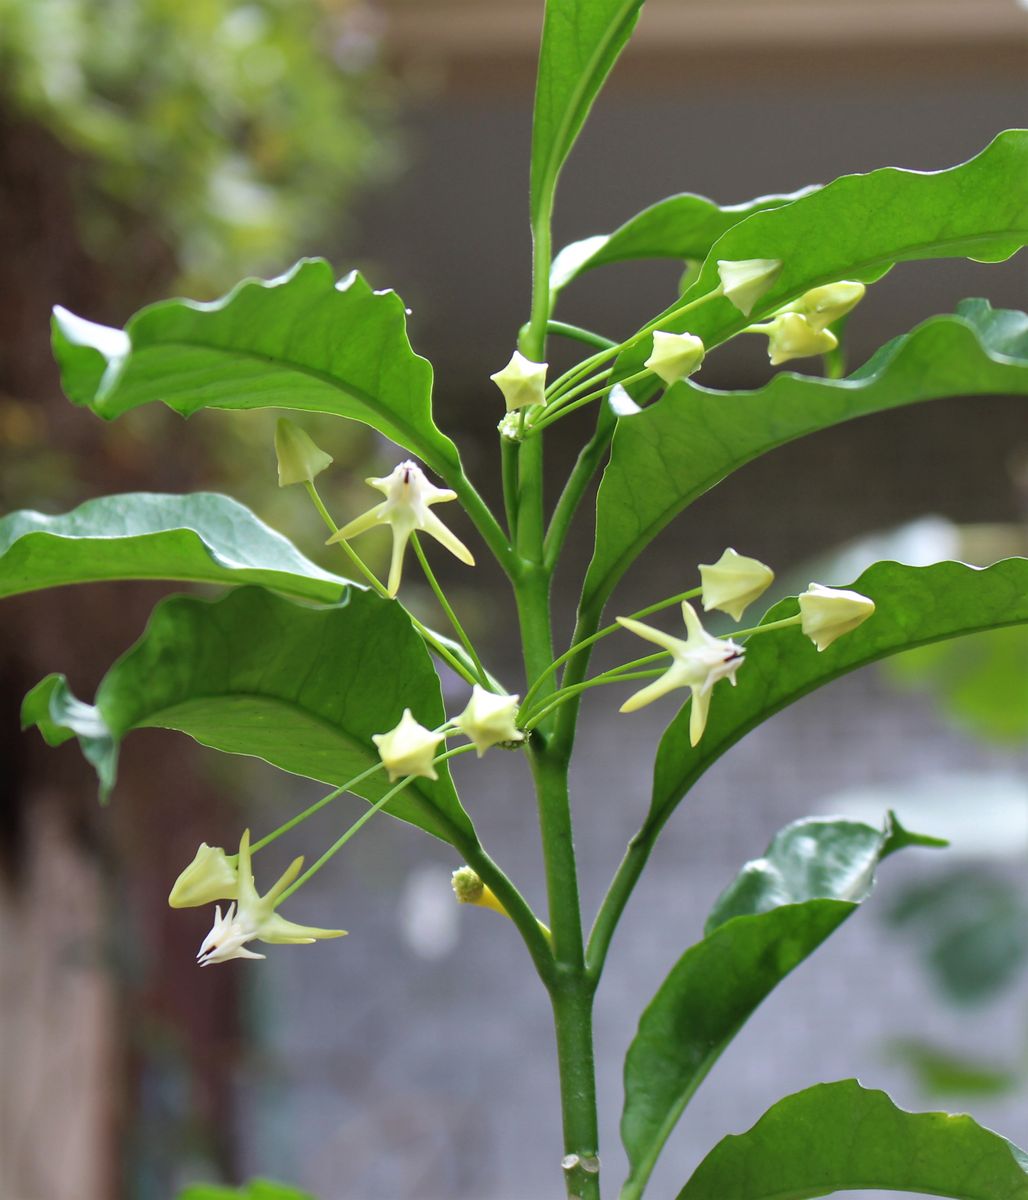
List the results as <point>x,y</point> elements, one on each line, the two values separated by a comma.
<point>337,681</point>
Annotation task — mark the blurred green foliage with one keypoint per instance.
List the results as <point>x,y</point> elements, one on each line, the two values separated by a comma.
<point>236,128</point>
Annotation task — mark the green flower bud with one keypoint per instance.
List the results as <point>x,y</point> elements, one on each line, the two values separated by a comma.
<point>211,876</point>
<point>745,281</point>
<point>675,356</point>
<point>299,460</point>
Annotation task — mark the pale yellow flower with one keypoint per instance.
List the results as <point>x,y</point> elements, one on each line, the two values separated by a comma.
<point>521,381</point>
<point>675,356</point>
<point>733,583</point>
<point>408,748</point>
<point>827,613</point>
<point>488,719</point>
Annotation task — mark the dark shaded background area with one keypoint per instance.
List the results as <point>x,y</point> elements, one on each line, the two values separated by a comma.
<point>414,1060</point>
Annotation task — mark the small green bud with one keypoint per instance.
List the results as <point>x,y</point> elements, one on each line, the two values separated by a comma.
<point>299,460</point>
<point>211,876</point>
<point>469,889</point>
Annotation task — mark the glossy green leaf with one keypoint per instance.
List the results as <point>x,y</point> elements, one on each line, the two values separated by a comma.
<point>683,227</point>
<point>860,226</point>
<point>781,907</point>
<point>301,341</point>
<point>915,605</point>
<point>667,455</point>
<point>257,1189</point>
<point>256,674</point>
<point>837,1137</point>
<point>580,43</point>
<point>199,538</point>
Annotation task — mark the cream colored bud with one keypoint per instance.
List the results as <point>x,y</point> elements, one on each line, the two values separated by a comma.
<point>827,613</point>
<point>745,281</point>
<point>733,583</point>
<point>521,381</point>
<point>791,335</point>
<point>488,719</point>
<point>299,460</point>
<point>675,356</point>
<point>823,305</point>
<point>408,749</point>
<point>210,876</point>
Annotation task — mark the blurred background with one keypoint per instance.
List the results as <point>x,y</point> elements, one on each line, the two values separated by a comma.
<point>149,147</point>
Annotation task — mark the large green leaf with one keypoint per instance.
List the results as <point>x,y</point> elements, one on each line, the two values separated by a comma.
<point>859,226</point>
<point>683,227</point>
<point>837,1137</point>
<point>253,673</point>
<point>667,455</point>
<point>302,341</point>
<point>202,538</point>
<point>914,606</point>
<point>580,43</point>
<point>781,907</point>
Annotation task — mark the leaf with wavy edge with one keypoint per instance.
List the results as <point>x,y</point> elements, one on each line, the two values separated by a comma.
<point>667,455</point>
<point>836,1137</point>
<point>199,538</point>
<point>581,41</point>
<point>859,227</point>
<point>777,911</point>
<point>683,227</point>
<point>914,606</point>
<point>301,341</point>
<point>256,674</point>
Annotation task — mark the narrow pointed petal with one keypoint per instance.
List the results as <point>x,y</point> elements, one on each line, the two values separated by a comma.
<point>278,931</point>
<point>649,634</point>
<point>358,525</point>
<point>698,714</point>
<point>436,529</point>
<point>653,691</point>
<point>285,879</point>
<point>396,561</point>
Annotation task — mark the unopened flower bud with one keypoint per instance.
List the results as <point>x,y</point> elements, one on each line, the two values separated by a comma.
<point>733,583</point>
<point>210,876</point>
<point>745,281</point>
<point>827,613</point>
<point>469,889</point>
<point>791,335</point>
<point>521,381</point>
<point>299,460</point>
<point>488,719</point>
<point>675,356</point>
<point>823,305</point>
<point>408,749</point>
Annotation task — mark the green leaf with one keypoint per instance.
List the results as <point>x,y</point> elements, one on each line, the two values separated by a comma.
<point>301,341</point>
<point>200,538</point>
<point>780,908</point>
<point>837,1137</point>
<point>859,227</point>
<point>683,226</point>
<point>581,41</point>
<point>257,1189</point>
<point>667,455</point>
<point>915,605</point>
<point>256,674</point>
<point>941,1071</point>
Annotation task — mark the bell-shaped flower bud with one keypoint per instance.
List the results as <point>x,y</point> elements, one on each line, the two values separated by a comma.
<point>469,889</point>
<point>675,356</point>
<point>521,381</point>
<point>210,876</point>
<point>253,917</point>
<point>488,720</point>
<point>827,613</point>
<point>823,305</point>
<point>696,663</point>
<point>408,749</point>
<point>406,509</point>
<point>790,336</point>
<point>745,281</point>
<point>733,583</point>
<point>299,460</point>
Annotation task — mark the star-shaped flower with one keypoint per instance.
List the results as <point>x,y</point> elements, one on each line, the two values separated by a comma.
<point>408,495</point>
<point>675,356</point>
<point>697,663</point>
<point>521,381</point>
<point>253,918</point>
<point>733,583</point>
<point>488,719</point>
<point>408,749</point>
